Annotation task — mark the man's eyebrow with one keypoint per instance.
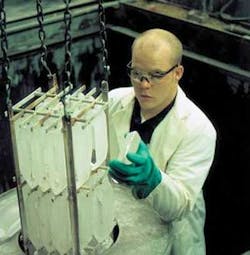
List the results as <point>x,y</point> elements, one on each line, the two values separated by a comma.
<point>157,71</point>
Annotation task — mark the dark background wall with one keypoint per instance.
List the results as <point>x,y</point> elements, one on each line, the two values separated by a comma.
<point>217,78</point>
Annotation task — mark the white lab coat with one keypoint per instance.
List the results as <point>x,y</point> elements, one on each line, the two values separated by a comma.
<point>182,146</point>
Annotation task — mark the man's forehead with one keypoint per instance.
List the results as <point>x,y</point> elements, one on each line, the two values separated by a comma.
<point>150,41</point>
<point>155,51</point>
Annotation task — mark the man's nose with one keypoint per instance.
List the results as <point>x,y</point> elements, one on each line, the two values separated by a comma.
<point>144,81</point>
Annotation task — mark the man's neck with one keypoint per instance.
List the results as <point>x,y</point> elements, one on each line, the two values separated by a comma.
<point>150,113</point>
<point>146,115</point>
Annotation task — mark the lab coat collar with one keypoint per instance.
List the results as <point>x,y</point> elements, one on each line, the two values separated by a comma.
<point>128,99</point>
<point>173,126</point>
<point>180,109</point>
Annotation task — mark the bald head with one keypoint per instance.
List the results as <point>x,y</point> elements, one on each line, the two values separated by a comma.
<point>158,40</point>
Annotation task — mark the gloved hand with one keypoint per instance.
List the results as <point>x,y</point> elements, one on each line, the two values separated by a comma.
<point>142,173</point>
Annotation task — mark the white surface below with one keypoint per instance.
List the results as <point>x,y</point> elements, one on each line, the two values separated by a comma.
<point>141,229</point>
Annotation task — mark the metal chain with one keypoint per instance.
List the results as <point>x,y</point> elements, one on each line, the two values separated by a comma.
<point>5,58</point>
<point>42,36</point>
<point>67,64</point>
<point>103,39</point>
<point>68,42</point>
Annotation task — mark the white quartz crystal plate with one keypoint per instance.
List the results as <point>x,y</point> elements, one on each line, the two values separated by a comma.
<point>28,147</point>
<point>45,161</point>
<point>38,149</point>
<point>23,151</point>
<point>57,176</point>
<point>46,158</point>
<point>95,209</point>
<point>45,210</point>
<point>105,214</point>
<point>26,154</point>
<point>31,202</point>
<point>82,147</point>
<point>60,223</point>
<point>86,209</point>
<point>100,139</point>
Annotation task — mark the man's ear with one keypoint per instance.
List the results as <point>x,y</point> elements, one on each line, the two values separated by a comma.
<point>179,70</point>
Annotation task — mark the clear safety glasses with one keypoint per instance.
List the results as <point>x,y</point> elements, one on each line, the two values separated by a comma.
<point>152,77</point>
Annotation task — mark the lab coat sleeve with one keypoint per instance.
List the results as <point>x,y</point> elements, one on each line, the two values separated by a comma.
<point>185,174</point>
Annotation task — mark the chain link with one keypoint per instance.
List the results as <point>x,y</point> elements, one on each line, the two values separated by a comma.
<point>103,39</point>
<point>68,42</point>
<point>5,58</point>
<point>42,36</point>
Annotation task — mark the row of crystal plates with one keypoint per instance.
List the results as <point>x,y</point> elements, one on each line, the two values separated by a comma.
<point>40,142</point>
<point>48,218</point>
<point>40,146</point>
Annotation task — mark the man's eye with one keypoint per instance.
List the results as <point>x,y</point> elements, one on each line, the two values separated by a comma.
<point>156,75</point>
<point>135,72</point>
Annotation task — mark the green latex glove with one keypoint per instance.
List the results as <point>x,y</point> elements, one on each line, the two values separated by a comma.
<point>142,173</point>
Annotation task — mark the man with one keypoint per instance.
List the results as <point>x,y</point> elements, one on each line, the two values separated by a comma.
<point>178,141</point>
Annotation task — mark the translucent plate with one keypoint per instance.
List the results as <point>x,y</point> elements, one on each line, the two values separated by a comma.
<point>58,175</point>
<point>60,223</point>
<point>82,146</point>
<point>32,213</point>
<point>86,209</point>
<point>100,139</point>
<point>45,210</point>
